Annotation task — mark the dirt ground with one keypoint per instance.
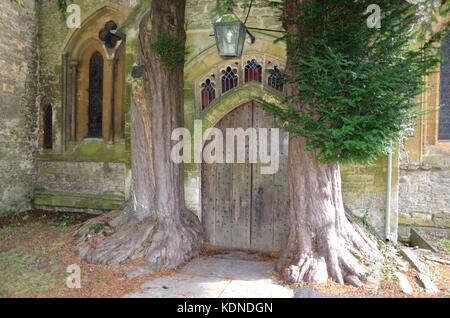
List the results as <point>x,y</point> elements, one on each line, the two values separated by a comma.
<point>37,247</point>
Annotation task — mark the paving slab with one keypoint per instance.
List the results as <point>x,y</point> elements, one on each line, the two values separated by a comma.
<point>264,288</point>
<point>183,286</point>
<point>228,268</point>
<point>214,277</point>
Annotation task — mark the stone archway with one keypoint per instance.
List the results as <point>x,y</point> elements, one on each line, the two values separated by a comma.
<point>79,48</point>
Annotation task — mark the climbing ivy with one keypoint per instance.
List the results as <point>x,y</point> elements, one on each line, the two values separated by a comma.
<point>223,6</point>
<point>62,4</point>
<point>169,50</point>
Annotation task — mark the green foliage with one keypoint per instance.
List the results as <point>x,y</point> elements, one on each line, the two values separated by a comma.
<point>223,6</point>
<point>355,87</point>
<point>7,213</point>
<point>62,4</point>
<point>444,245</point>
<point>170,51</point>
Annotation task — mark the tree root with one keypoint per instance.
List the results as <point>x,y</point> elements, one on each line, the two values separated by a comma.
<point>118,236</point>
<point>328,256</point>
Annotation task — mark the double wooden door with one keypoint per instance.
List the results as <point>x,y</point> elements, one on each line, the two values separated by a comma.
<point>242,208</point>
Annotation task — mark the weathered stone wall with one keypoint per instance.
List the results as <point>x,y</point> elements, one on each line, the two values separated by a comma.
<point>364,192</point>
<point>81,185</point>
<point>109,177</point>
<point>425,189</point>
<point>18,63</point>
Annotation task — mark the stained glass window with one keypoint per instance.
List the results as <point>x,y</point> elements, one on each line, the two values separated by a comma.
<point>229,79</point>
<point>48,127</point>
<point>444,111</point>
<point>253,71</point>
<point>95,96</point>
<point>208,93</point>
<point>275,79</point>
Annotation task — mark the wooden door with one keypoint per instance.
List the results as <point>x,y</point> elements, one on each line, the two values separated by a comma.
<point>242,208</point>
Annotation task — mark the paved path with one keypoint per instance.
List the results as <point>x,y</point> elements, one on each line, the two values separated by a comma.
<point>217,277</point>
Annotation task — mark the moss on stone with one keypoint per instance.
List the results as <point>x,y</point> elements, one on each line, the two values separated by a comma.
<point>78,200</point>
<point>91,150</point>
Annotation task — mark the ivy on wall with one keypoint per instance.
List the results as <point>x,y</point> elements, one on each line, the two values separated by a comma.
<point>62,4</point>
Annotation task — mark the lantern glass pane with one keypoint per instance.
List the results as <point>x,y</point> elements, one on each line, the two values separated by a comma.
<point>242,36</point>
<point>230,38</point>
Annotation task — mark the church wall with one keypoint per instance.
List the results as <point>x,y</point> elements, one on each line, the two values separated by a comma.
<point>18,115</point>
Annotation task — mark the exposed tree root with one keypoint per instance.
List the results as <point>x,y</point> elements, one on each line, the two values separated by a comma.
<point>316,255</point>
<point>118,236</point>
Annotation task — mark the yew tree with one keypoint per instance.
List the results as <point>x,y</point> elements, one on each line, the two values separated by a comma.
<point>155,224</point>
<point>351,92</point>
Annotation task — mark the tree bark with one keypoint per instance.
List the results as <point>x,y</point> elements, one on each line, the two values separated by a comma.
<point>156,223</point>
<point>323,243</point>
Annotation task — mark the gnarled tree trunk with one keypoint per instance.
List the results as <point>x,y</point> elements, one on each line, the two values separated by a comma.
<point>323,242</point>
<point>156,223</point>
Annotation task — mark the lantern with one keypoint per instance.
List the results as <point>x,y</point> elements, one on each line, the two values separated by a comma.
<point>230,35</point>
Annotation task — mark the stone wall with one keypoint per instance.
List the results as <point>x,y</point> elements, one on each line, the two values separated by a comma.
<point>88,185</point>
<point>364,192</point>
<point>425,189</point>
<point>18,56</point>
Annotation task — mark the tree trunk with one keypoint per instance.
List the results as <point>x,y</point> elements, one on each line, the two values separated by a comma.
<point>322,242</point>
<point>156,223</point>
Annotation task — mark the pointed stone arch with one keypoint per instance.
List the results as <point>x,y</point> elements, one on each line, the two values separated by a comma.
<point>77,49</point>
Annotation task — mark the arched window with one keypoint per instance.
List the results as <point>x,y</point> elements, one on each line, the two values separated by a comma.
<point>95,96</point>
<point>253,71</point>
<point>208,93</point>
<point>275,79</point>
<point>229,79</point>
<point>444,111</point>
<point>47,115</point>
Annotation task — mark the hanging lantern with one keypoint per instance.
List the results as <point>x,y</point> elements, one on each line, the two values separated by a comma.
<point>230,35</point>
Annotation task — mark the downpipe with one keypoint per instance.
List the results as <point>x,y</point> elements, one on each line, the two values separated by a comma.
<point>387,232</point>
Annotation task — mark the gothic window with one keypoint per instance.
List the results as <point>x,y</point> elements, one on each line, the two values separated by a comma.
<point>95,96</point>
<point>444,111</point>
<point>208,93</point>
<point>47,115</point>
<point>229,79</point>
<point>275,79</point>
<point>253,71</point>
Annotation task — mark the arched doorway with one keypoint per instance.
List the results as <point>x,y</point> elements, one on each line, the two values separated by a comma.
<point>242,208</point>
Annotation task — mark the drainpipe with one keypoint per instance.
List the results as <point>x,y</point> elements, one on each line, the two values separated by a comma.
<point>387,235</point>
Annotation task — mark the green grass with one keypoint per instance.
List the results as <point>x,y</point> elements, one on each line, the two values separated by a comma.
<point>443,245</point>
